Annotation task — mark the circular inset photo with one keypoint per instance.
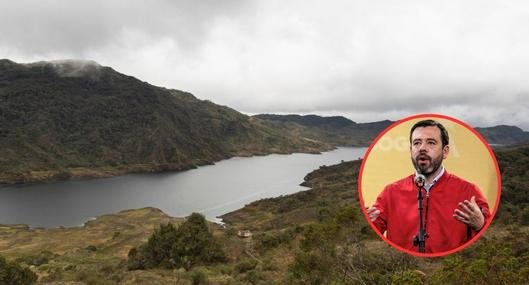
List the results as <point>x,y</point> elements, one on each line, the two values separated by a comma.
<point>429,185</point>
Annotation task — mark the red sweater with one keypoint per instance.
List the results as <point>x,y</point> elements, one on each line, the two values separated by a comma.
<point>399,215</point>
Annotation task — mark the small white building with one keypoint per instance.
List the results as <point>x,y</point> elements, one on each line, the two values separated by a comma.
<point>244,234</point>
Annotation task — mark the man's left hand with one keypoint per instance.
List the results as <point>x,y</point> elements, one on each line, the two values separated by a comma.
<point>470,214</point>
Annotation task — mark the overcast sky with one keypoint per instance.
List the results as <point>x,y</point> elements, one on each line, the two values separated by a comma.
<point>366,60</point>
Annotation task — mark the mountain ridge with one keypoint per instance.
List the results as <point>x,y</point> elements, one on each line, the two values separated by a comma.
<point>68,122</point>
<point>338,126</point>
<point>68,119</point>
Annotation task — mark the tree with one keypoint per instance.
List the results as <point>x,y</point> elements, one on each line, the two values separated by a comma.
<point>157,250</point>
<point>190,244</point>
<point>310,268</point>
<point>196,244</point>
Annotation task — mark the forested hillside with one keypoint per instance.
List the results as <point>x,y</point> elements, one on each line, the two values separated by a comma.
<point>77,118</point>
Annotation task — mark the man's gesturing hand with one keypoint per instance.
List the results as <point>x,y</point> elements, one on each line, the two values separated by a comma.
<point>470,214</point>
<point>373,213</point>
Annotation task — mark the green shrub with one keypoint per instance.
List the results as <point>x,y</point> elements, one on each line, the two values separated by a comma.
<point>270,240</point>
<point>136,259</point>
<point>157,250</point>
<point>310,268</point>
<point>190,244</point>
<point>13,274</point>
<point>346,216</point>
<point>408,277</point>
<point>224,269</point>
<point>490,261</point>
<point>195,244</point>
<point>91,248</point>
<point>253,276</point>
<point>42,258</point>
<point>245,265</point>
<point>524,217</point>
<point>319,236</point>
<point>199,276</point>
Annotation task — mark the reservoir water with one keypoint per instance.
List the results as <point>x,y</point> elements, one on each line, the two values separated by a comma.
<point>212,190</point>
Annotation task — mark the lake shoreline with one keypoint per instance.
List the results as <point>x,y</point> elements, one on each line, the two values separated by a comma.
<point>212,190</point>
<point>87,173</point>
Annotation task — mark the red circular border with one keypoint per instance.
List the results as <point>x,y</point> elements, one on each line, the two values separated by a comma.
<point>366,156</point>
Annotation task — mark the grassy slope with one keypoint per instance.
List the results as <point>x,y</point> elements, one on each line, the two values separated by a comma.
<point>334,187</point>
<point>279,227</point>
<point>94,252</point>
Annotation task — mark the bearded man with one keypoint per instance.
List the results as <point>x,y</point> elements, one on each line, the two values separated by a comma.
<point>454,210</point>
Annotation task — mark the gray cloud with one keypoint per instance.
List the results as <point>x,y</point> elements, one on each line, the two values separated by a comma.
<point>79,27</point>
<point>368,60</point>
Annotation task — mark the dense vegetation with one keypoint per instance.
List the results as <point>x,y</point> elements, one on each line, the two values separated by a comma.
<point>13,274</point>
<point>59,119</point>
<point>314,120</point>
<point>514,167</point>
<point>185,246</point>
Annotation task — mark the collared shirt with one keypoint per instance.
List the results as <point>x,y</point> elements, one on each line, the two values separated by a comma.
<point>427,186</point>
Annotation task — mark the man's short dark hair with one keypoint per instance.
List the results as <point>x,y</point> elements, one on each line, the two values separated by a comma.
<point>432,123</point>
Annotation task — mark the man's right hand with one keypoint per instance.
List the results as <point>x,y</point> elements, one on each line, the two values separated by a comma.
<point>373,213</point>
